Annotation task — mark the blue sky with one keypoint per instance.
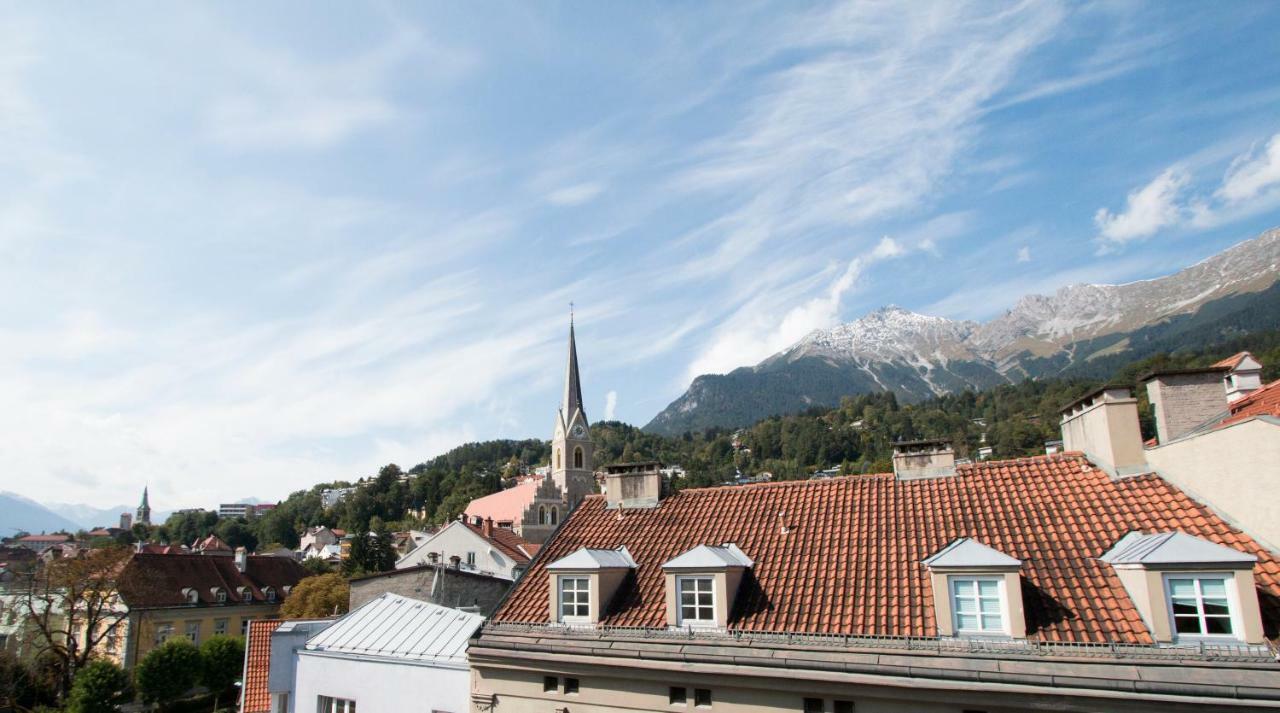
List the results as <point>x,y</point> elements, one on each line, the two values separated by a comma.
<point>248,248</point>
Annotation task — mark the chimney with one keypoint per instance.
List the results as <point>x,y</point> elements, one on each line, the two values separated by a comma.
<point>1185,399</point>
<point>914,460</point>
<point>1244,378</point>
<point>633,485</point>
<point>242,559</point>
<point>486,529</point>
<point>1103,424</point>
<point>455,561</point>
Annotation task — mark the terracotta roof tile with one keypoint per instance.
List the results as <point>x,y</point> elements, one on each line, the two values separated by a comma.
<point>1263,402</point>
<point>1232,361</point>
<point>511,544</point>
<point>157,580</point>
<point>257,665</point>
<point>849,560</point>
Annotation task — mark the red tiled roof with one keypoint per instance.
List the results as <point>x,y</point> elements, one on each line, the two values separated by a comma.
<point>1263,402</point>
<point>511,544</point>
<point>1232,361</point>
<point>850,559</point>
<point>45,538</point>
<point>257,665</point>
<point>505,505</point>
<point>212,543</point>
<point>157,580</point>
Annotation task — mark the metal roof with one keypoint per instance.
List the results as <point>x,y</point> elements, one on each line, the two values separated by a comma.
<point>1173,548</point>
<point>968,552</point>
<point>400,628</point>
<point>710,557</point>
<point>586,558</point>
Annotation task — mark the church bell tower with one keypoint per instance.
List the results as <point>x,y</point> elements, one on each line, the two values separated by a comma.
<point>572,452</point>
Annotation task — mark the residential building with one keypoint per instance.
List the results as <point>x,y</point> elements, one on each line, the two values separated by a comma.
<point>235,510</point>
<point>144,510</point>
<point>1219,441</point>
<point>212,545</point>
<point>444,584</point>
<point>330,497</point>
<point>393,653</point>
<point>535,507</point>
<point>483,548</point>
<point>126,521</point>
<point>40,543</point>
<point>1059,582</point>
<point>197,596</point>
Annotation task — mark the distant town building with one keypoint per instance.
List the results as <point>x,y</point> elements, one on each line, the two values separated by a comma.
<point>330,497</point>
<point>40,543</point>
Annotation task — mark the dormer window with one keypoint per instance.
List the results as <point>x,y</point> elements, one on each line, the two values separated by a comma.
<point>286,589</point>
<point>701,585</point>
<point>977,591</point>
<point>1187,588</point>
<point>575,600</point>
<point>246,595</point>
<point>269,594</point>
<point>697,600</point>
<point>583,583</point>
<point>190,595</point>
<point>220,595</point>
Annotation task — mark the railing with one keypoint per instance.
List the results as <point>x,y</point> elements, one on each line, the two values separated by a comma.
<point>1202,650</point>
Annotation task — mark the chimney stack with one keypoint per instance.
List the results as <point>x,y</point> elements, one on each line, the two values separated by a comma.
<point>242,559</point>
<point>455,561</point>
<point>915,460</point>
<point>1245,376</point>
<point>1185,399</point>
<point>486,529</point>
<point>633,485</point>
<point>1103,424</point>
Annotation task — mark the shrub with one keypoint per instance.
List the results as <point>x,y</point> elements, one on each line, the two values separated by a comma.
<point>99,687</point>
<point>168,672</point>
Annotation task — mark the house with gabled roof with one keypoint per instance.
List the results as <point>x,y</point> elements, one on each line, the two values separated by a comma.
<point>1078,581</point>
<point>484,548</point>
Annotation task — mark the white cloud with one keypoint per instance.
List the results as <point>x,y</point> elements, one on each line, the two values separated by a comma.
<point>575,194</point>
<point>610,405</point>
<point>1252,174</point>
<point>886,248</point>
<point>1024,253</point>
<point>1147,209</point>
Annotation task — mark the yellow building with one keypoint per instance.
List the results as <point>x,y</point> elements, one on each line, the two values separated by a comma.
<point>197,596</point>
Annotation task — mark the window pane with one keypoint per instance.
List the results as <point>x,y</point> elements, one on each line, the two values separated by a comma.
<point>967,622</point>
<point>1217,625</point>
<point>704,598</point>
<point>677,694</point>
<point>964,587</point>
<point>1186,624</point>
<point>1184,606</point>
<point>966,606</point>
<point>702,696</point>
<point>1213,587</point>
<point>1182,588</point>
<point>1216,607</point>
<point>990,606</point>
<point>813,705</point>
<point>991,622</point>
<point>988,588</point>
<point>686,598</point>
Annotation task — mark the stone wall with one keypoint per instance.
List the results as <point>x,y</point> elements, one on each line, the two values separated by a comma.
<point>1184,401</point>
<point>455,589</point>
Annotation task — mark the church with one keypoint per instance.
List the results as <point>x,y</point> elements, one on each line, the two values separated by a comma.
<point>535,506</point>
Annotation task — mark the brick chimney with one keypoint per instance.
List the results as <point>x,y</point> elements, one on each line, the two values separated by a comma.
<point>914,460</point>
<point>486,528</point>
<point>633,485</point>
<point>242,559</point>
<point>1103,424</point>
<point>1185,399</point>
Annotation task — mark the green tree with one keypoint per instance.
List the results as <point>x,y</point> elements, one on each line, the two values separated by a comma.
<point>316,565</point>
<point>167,672</point>
<point>371,552</point>
<point>319,596</point>
<point>100,687</point>
<point>221,660</point>
<point>236,533</point>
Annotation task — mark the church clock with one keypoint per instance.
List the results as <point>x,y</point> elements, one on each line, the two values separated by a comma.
<point>579,431</point>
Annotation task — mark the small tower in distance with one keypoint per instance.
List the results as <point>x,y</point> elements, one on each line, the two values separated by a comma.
<point>144,510</point>
<point>572,451</point>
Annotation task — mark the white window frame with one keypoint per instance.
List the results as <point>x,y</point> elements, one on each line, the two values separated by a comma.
<point>333,704</point>
<point>1233,606</point>
<point>560,598</point>
<point>681,620</point>
<point>1002,600</point>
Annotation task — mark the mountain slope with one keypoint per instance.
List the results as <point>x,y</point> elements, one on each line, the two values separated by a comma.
<point>19,513</point>
<point>1079,330</point>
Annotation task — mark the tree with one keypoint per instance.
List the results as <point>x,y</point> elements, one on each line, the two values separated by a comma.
<point>315,597</point>
<point>221,661</point>
<point>168,671</point>
<point>73,605</point>
<point>236,533</point>
<point>317,565</point>
<point>100,687</point>
<point>371,552</point>
<point>21,686</point>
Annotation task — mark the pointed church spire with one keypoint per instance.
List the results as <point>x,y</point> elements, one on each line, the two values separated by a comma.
<point>144,497</point>
<point>572,385</point>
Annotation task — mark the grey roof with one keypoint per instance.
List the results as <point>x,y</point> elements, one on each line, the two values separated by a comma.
<point>1173,548</point>
<point>710,557</point>
<point>572,383</point>
<point>403,629</point>
<point>968,552</point>
<point>586,558</point>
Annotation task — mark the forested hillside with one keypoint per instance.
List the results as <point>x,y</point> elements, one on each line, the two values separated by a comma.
<point>857,437</point>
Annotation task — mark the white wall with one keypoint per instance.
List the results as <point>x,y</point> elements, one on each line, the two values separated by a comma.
<point>458,539</point>
<point>379,687</point>
<point>1234,470</point>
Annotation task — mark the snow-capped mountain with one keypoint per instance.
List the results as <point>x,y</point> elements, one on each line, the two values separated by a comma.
<point>1080,329</point>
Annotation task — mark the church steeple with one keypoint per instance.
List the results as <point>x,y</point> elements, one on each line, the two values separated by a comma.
<point>572,383</point>
<point>144,510</point>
